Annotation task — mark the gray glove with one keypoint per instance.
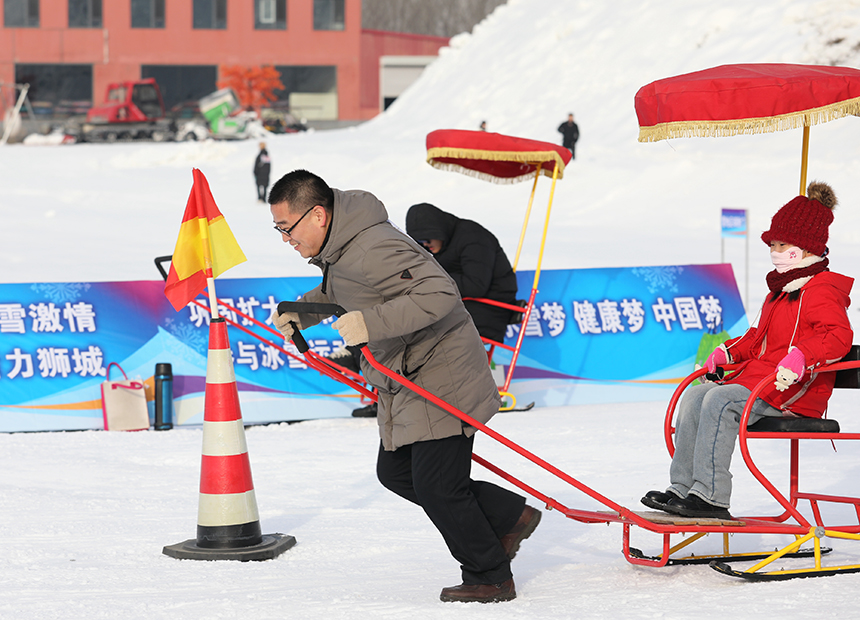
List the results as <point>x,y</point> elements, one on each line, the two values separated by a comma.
<point>282,322</point>
<point>352,328</point>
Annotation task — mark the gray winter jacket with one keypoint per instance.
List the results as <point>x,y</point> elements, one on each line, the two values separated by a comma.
<point>416,322</point>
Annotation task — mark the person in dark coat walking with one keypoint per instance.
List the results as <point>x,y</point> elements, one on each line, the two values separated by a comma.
<point>570,134</point>
<point>262,168</point>
<point>402,304</point>
<point>472,256</point>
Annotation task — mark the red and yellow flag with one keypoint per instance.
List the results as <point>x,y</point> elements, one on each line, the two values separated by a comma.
<point>205,247</point>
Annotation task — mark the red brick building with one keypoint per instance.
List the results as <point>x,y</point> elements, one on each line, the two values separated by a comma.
<point>70,50</point>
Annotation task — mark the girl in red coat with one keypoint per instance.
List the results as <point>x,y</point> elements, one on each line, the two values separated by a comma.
<point>803,325</point>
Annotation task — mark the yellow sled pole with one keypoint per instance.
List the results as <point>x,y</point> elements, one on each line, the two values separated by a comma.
<point>526,220</point>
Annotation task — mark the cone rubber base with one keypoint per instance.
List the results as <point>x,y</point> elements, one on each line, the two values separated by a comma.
<point>271,547</point>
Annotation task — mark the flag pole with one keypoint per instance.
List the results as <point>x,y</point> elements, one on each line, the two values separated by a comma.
<point>203,222</point>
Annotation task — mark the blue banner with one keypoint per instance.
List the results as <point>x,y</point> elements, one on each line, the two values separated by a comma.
<point>619,334</point>
<point>58,339</point>
<point>596,335</point>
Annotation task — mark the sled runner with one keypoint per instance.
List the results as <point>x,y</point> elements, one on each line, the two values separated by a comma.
<point>503,159</point>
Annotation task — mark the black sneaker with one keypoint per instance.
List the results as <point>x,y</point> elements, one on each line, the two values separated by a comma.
<point>366,412</point>
<point>657,499</point>
<point>694,506</point>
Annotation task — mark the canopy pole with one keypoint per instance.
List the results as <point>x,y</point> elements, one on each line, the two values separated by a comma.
<point>526,220</point>
<point>545,226</point>
<point>804,155</point>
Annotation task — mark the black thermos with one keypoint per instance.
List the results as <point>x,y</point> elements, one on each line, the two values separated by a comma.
<point>163,397</point>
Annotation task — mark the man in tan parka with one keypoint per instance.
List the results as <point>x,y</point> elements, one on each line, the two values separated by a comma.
<point>407,309</point>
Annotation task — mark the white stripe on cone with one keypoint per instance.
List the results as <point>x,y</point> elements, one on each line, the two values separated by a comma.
<point>224,438</point>
<point>227,509</point>
<point>219,367</point>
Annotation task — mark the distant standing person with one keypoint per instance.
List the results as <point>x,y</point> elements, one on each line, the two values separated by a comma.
<point>483,126</point>
<point>262,168</point>
<point>570,134</point>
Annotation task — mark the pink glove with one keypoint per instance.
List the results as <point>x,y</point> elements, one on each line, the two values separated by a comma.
<point>719,357</point>
<point>790,370</point>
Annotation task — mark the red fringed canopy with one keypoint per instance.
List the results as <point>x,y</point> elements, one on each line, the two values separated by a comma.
<point>492,156</point>
<point>745,99</point>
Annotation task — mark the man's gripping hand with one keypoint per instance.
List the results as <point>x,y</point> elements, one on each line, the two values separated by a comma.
<point>352,328</point>
<point>282,322</point>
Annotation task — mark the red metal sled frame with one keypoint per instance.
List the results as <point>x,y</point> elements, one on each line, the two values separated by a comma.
<point>789,503</point>
<point>800,527</point>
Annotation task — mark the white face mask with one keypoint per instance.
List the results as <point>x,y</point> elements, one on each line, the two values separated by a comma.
<point>783,261</point>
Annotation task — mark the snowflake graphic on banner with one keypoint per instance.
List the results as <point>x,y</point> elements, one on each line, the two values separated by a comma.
<point>188,335</point>
<point>659,278</point>
<point>63,292</point>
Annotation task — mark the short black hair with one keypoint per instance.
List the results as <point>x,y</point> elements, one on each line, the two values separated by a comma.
<point>302,190</point>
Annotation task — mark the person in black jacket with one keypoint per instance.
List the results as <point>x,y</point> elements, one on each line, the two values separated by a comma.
<point>570,134</point>
<point>262,167</point>
<point>472,256</point>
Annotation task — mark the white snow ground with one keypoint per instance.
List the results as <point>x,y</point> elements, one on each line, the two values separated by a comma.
<point>83,516</point>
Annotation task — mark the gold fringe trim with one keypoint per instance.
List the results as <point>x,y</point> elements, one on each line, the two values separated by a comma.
<point>749,126</point>
<point>532,158</point>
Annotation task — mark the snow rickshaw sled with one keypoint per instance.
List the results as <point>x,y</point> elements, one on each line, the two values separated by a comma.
<point>457,150</point>
<point>791,522</point>
<point>502,159</point>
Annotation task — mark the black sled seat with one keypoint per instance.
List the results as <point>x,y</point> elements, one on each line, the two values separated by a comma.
<point>847,378</point>
<point>794,425</point>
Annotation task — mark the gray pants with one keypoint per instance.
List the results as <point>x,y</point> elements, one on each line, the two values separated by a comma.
<point>705,433</point>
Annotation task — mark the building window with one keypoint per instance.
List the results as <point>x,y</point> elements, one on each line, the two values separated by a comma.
<point>147,13</point>
<point>306,79</point>
<point>182,86</point>
<point>270,14</point>
<point>309,92</point>
<point>85,13</point>
<point>328,15</point>
<point>21,13</point>
<point>57,89</point>
<point>210,14</point>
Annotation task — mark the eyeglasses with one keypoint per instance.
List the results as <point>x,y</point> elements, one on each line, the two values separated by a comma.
<point>288,231</point>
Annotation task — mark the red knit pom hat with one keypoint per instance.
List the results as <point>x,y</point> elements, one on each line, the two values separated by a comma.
<point>804,221</point>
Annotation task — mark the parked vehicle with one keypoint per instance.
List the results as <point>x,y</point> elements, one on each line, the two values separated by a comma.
<point>279,120</point>
<point>133,110</point>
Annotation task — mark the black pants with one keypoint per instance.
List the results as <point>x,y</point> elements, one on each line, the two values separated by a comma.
<point>261,189</point>
<point>471,515</point>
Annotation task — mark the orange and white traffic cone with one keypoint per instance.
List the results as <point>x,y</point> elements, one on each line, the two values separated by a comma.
<point>228,524</point>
